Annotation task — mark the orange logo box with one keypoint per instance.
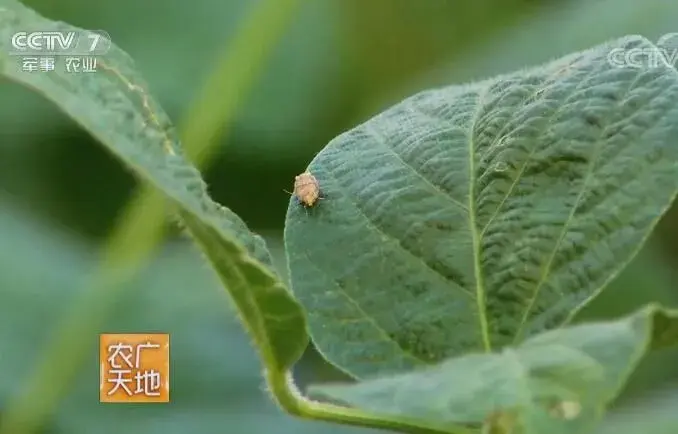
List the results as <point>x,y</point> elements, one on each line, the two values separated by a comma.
<point>134,368</point>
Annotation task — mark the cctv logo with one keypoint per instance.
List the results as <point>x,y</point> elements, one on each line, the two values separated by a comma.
<point>44,42</point>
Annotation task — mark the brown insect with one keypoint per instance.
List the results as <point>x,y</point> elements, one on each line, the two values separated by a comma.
<point>306,189</point>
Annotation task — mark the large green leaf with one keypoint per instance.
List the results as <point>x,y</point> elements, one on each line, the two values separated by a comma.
<point>114,105</point>
<point>557,382</point>
<point>469,217</point>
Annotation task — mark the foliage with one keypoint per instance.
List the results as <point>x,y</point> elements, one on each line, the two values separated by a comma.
<point>468,217</point>
<point>459,233</point>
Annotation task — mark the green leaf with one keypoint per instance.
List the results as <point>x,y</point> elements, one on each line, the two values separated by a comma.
<point>469,217</point>
<point>114,105</point>
<point>558,381</point>
<point>264,303</point>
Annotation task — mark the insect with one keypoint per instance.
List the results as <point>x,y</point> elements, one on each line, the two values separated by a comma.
<point>306,189</point>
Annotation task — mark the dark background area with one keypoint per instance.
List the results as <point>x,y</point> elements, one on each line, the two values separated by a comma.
<point>333,64</point>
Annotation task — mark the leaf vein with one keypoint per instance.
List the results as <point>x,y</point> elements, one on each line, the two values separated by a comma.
<point>384,144</point>
<point>371,224</point>
<point>353,302</point>
<point>589,174</point>
<point>480,289</point>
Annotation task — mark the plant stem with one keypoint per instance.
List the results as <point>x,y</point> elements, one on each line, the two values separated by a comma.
<point>290,398</point>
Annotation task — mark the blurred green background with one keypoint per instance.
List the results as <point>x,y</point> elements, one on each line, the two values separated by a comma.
<point>290,75</point>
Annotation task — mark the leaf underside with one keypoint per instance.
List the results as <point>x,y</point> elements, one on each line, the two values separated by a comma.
<point>470,217</point>
<point>114,105</point>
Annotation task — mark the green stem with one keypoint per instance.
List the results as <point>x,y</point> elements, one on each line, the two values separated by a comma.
<point>288,396</point>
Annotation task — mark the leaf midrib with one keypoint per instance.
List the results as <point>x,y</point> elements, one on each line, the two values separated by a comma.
<point>480,286</point>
